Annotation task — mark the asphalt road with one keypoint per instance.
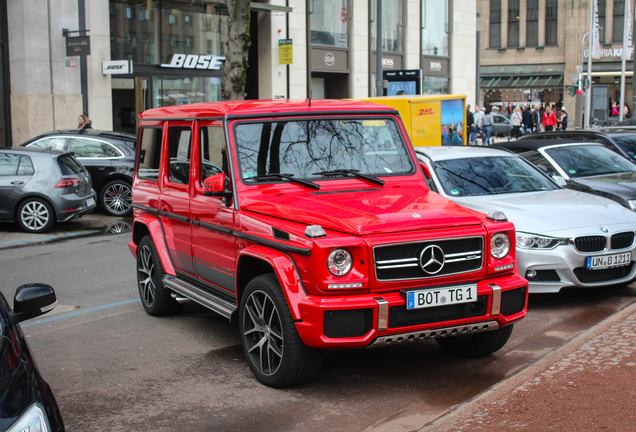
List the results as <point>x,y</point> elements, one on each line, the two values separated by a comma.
<point>113,367</point>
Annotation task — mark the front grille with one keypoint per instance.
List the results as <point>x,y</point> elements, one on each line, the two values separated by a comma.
<point>403,261</point>
<point>605,275</point>
<point>400,316</point>
<point>590,243</point>
<point>622,240</point>
<point>513,301</point>
<point>348,323</point>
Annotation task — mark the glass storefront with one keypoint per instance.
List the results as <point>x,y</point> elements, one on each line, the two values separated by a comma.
<point>434,85</point>
<point>392,26</point>
<point>169,91</point>
<point>329,23</point>
<point>435,28</point>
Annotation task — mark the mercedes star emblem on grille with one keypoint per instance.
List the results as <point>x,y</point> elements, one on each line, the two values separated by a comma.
<point>432,259</point>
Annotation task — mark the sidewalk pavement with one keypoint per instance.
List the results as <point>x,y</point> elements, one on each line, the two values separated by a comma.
<point>589,384</point>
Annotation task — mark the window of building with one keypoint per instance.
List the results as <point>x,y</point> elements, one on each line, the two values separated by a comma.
<point>495,23</point>
<point>130,12</point>
<point>392,19</point>
<point>435,28</point>
<point>172,20</point>
<point>619,20</point>
<point>131,37</point>
<point>551,22</point>
<point>188,42</point>
<point>329,23</point>
<point>173,41</point>
<point>532,23</point>
<point>513,23</point>
<point>187,20</point>
<point>602,6</point>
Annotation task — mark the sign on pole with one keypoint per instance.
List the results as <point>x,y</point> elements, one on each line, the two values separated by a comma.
<point>285,52</point>
<point>78,46</point>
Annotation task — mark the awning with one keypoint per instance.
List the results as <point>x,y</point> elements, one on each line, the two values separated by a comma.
<point>521,76</point>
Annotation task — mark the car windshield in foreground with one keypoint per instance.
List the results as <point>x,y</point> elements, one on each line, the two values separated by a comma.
<point>489,176</point>
<point>627,143</point>
<point>321,149</point>
<point>587,161</point>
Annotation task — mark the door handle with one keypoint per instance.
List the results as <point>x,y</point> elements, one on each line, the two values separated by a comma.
<point>17,182</point>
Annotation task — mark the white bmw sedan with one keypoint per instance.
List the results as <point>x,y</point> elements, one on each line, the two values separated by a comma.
<point>565,238</point>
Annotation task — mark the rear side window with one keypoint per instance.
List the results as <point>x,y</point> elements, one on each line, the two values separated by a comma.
<point>9,164</point>
<point>538,160</point>
<point>93,149</point>
<point>179,142</point>
<point>26,166</point>
<point>69,165</point>
<point>149,153</point>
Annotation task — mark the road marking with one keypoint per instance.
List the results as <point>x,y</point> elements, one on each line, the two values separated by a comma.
<point>80,312</point>
<point>42,239</point>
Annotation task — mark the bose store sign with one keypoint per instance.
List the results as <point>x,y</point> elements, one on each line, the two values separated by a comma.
<point>117,67</point>
<point>193,61</point>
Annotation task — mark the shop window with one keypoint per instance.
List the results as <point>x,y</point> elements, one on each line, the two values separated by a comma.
<point>435,28</point>
<point>532,23</point>
<point>551,22</point>
<point>619,20</point>
<point>392,25</point>
<point>495,23</point>
<point>513,23</point>
<point>602,6</point>
<point>329,23</point>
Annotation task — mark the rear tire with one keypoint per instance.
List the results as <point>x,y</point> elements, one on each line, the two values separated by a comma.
<point>116,198</point>
<point>477,344</point>
<point>274,351</point>
<point>35,215</point>
<point>156,299</point>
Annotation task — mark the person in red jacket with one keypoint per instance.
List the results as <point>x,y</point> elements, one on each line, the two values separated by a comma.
<point>549,119</point>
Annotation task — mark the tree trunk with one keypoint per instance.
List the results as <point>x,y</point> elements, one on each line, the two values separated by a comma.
<point>238,44</point>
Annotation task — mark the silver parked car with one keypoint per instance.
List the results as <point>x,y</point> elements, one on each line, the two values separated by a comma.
<point>564,238</point>
<point>39,187</point>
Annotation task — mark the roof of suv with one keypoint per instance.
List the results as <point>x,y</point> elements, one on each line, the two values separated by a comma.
<point>261,107</point>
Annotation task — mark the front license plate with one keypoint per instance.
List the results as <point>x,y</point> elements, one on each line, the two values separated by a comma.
<point>90,202</point>
<point>608,261</point>
<point>432,297</point>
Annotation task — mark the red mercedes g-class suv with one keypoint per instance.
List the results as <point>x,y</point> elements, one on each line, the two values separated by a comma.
<point>310,222</point>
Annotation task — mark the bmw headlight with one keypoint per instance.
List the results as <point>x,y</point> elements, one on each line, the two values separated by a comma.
<point>499,245</point>
<point>339,262</point>
<point>34,420</point>
<point>534,241</point>
<point>632,204</point>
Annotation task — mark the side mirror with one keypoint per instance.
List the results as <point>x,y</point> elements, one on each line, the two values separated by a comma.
<point>32,300</point>
<point>559,180</point>
<point>215,183</point>
<point>427,172</point>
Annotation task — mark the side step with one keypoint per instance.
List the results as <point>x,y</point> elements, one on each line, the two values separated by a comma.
<point>205,298</point>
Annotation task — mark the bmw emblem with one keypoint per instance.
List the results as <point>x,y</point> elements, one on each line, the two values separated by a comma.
<point>605,229</point>
<point>415,215</point>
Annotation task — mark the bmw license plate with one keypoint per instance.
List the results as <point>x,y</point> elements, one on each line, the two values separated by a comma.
<point>90,202</point>
<point>432,297</point>
<point>609,261</point>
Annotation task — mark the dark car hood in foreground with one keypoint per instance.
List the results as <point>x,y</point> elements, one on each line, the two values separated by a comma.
<point>612,186</point>
<point>365,211</point>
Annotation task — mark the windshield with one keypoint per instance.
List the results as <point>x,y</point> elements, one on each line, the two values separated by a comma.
<point>586,161</point>
<point>627,143</point>
<point>309,148</point>
<point>489,176</point>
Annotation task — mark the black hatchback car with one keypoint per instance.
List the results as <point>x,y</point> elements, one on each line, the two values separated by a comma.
<point>621,140</point>
<point>26,400</point>
<point>109,157</point>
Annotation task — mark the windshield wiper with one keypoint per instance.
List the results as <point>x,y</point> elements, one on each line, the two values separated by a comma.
<point>353,173</point>
<point>290,177</point>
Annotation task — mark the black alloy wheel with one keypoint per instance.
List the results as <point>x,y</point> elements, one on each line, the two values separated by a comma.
<point>155,298</point>
<point>116,198</point>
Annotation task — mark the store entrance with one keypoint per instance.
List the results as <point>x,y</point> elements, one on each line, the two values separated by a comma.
<point>131,96</point>
<point>329,85</point>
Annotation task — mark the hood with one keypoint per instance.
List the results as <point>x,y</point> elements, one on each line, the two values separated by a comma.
<point>392,208</point>
<point>555,213</point>
<point>622,185</point>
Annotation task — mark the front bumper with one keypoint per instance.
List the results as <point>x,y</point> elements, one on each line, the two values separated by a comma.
<point>382,318</point>
<point>565,267</point>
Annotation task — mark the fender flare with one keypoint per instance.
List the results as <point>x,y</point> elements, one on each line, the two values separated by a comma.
<point>153,224</point>
<point>285,269</point>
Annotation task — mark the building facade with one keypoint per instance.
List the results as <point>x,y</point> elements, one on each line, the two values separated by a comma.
<point>154,53</point>
<point>530,50</point>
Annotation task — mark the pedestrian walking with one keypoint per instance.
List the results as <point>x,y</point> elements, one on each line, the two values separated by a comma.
<point>470,120</point>
<point>526,119</point>
<point>84,122</point>
<point>549,119</point>
<point>615,111</point>
<point>627,111</point>
<point>516,119</point>
<point>477,125</point>
<point>486,126</point>
<point>564,119</point>
<point>536,118</point>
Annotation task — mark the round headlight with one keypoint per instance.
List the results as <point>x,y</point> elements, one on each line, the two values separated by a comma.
<point>339,262</point>
<point>499,245</point>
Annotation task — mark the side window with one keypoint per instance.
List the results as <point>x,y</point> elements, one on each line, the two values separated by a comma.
<point>9,164</point>
<point>150,153</point>
<point>88,148</point>
<point>56,143</point>
<point>538,160</point>
<point>213,152</point>
<point>26,166</point>
<point>179,146</point>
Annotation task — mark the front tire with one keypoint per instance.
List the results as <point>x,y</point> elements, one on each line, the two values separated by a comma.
<point>272,347</point>
<point>477,344</point>
<point>35,215</point>
<point>116,198</point>
<point>155,298</point>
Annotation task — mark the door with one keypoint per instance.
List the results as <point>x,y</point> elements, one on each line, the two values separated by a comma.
<point>213,244</point>
<point>15,172</point>
<point>175,196</point>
